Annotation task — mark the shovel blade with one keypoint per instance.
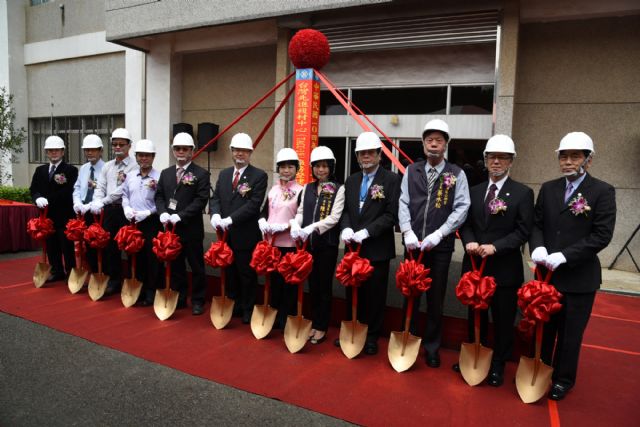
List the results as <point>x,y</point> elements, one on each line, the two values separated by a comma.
<point>165,305</point>
<point>262,320</point>
<point>41,274</point>
<point>531,386</point>
<point>97,285</point>
<point>402,359</point>
<point>474,371</point>
<point>130,292</point>
<point>221,311</point>
<point>352,339</point>
<point>76,279</point>
<point>296,333</point>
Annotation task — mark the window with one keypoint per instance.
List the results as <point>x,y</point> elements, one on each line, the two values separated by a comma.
<point>415,100</point>
<point>37,2</point>
<point>329,105</point>
<point>72,130</point>
<point>471,99</point>
<point>337,145</point>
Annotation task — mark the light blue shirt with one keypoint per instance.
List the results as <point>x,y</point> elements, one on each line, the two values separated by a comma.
<point>82,183</point>
<point>139,192</point>
<point>575,184</point>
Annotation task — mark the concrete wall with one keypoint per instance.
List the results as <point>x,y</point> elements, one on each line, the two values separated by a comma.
<point>49,21</point>
<point>583,75</point>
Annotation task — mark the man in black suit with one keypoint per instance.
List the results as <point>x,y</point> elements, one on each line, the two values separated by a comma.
<point>181,196</point>
<point>434,202</point>
<point>235,206</point>
<point>52,187</point>
<point>368,218</point>
<point>574,220</point>
<point>498,224</point>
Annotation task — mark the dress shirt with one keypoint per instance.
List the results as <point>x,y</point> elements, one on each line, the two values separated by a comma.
<point>82,183</point>
<point>108,191</point>
<point>498,185</point>
<point>139,192</point>
<point>575,184</point>
<point>240,172</point>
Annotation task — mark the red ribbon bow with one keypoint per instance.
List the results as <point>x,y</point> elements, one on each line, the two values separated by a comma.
<point>166,245</point>
<point>265,258</point>
<point>129,239</point>
<point>296,266</point>
<point>412,277</point>
<point>353,270</point>
<point>40,228</point>
<point>474,289</point>
<point>538,300</point>
<point>75,229</point>
<point>96,236</point>
<point>219,254</point>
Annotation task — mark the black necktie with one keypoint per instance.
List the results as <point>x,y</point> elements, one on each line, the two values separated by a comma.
<point>89,196</point>
<point>490,196</point>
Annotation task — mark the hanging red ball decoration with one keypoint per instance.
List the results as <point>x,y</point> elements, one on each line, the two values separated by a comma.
<point>309,49</point>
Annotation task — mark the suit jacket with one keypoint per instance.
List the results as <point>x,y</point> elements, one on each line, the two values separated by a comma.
<point>507,231</point>
<point>578,237</point>
<point>242,206</point>
<point>378,216</point>
<point>191,199</point>
<point>59,196</point>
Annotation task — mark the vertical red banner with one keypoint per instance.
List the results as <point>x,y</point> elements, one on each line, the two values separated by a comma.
<point>306,117</point>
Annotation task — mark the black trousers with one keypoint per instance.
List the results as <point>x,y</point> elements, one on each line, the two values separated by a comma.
<point>283,295</point>
<point>504,306</point>
<point>59,247</point>
<point>321,285</point>
<point>242,281</point>
<point>149,270</point>
<point>438,262</point>
<point>564,331</point>
<point>372,300</point>
<point>90,254</point>
<point>193,253</point>
<point>114,220</point>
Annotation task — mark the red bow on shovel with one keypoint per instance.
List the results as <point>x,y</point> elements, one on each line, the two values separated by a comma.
<point>475,291</point>
<point>412,279</point>
<point>220,256</point>
<point>40,228</point>
<point>130,240</point>
<point>166,245</point>
<point>75,232</point>
<point>295,267</point>
<point>98,238</point>
<point>352,272</point>
<point>538,300</point>
<point>264,261</point>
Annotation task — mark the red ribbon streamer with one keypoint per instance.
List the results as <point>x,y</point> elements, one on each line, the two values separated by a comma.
<point>40,228</point>
<point>166,245</point>
<point>265,258</point>
<point>475,290</point>
<point>129,239</point>
<point>538,300</point>
<point>412,277</point>
<point>353,270</point>
<point>96,236</point>
<point>75,229</point>
<point>296,266</point>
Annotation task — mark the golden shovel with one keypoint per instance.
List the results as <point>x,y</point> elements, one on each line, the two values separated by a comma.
<point>533,377</point>
<point>131,286</point>
<point>222,306</point>
<point>404,347</point>
<point>78,273</point>
<point>263,316</point>
<point>43,268</point>
<point>166,300</point>
<point>296,331</point>
<point>475,359</point>
<point>98,281</point>
<point>353,334</point>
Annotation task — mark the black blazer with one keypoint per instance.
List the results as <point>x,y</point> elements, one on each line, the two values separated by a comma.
<point>191,199</point>
<point>59,196</point>
<point>578,237</point>
<point>508,231</point>
<point>244,210</point>
<point>379,217</point>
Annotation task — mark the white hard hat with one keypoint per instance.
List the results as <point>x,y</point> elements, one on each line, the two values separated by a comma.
<point>53,142</point>
<point>145,146</point>
<point>500,144</point>
<point>121,133</point>
<point>321,153</point>
<point>368,141</point>
<point>287,155</point>
<point>437,125</point>
<point>242,141</point>
<point>92,141</point>
<point>183,139</point>
<point>576,141</point>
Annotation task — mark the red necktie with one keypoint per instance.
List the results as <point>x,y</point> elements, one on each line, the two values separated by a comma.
<point>236,178</point>
<point>490,196</point>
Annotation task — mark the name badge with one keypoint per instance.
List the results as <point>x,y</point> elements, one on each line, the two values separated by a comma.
<point>173,204</point>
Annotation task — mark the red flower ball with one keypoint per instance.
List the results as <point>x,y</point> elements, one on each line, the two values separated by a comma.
<point>309,49</point>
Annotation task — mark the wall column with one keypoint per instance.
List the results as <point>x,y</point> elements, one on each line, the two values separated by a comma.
<point>507,67</point>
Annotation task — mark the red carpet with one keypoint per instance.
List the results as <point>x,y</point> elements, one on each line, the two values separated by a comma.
<point>365,390</point>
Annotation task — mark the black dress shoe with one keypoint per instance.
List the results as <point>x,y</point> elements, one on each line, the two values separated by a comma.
<point>336,342</point>
<point>246,317</point>
<point>558,391</point>
<point>432,359</point>
<point>56,278</point>
<point>182,303</point>
<point>495,379</point>
<point>371,348</point>
<point>197,309</point>
<point>455,367</point>
<point>111,290</point>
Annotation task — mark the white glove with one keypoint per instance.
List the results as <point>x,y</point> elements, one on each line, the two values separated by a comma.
<point>175,218</point>
<point>539,255</point>
<point>41,202</point>
<point>77,208</point>
<point>215,221</point>
<point>225,222</point>
<point>431,241</point>
<point>360,235</point>
<point>86,208</point>
<point>264,226</point>
<point>129,213</point>
<point>142,215</point>
<point>555,260</point>
<point>347,235</point>
<point>411,240</point>
<point>96,207</point>
<point>164,218</point>
<point>305,232</point>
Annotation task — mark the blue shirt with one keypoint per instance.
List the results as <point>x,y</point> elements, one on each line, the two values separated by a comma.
<point>82,183</point>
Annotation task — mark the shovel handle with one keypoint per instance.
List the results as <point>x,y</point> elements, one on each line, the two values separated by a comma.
<point>267,286</point>
<point>300,296</point>
<point>99,261</point>
<point>133,266</point>
<point>354,305</point>
<point>474,265</point>
<point>223,278</point>
<point>547,277</point>
<point>407,319</point>
<point>44,251</point>
<point>167,277</point>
